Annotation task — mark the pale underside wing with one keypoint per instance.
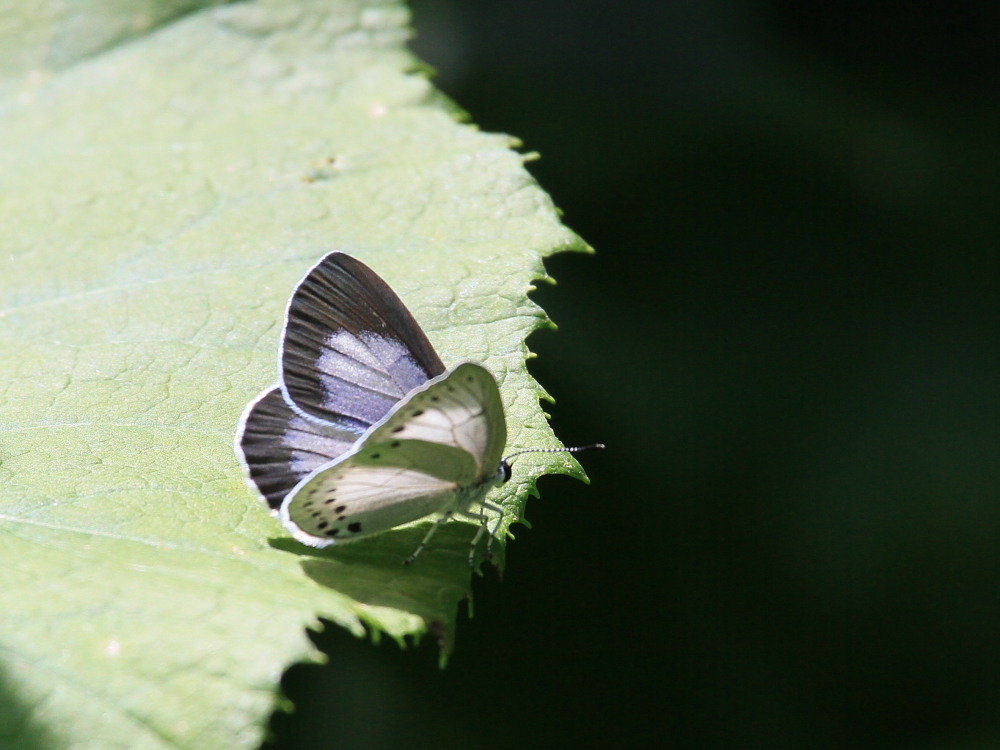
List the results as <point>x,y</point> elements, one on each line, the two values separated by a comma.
<point>438,450</point>
<point>350,351</point>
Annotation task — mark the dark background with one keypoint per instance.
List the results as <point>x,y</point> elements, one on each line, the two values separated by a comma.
<point>788,340</point>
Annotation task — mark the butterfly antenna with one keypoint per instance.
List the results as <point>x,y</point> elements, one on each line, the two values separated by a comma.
<point>575,449</point>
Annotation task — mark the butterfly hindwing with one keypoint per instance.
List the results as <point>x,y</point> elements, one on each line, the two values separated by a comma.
<point>437,450</point>
<point>351,350</point>
<point>349,500</point>
<point>279,447</point>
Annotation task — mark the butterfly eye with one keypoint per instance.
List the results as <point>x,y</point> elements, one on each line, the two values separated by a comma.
<point>503,472</point>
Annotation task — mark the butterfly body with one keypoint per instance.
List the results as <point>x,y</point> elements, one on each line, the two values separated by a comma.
<point>366,430</point>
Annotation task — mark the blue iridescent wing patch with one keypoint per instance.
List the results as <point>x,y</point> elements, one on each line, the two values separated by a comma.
<point>350,348</point>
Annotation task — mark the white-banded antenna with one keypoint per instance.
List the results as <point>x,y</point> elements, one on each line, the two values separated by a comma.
<point>576,449</point>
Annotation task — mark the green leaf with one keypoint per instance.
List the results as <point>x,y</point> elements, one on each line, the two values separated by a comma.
<point>169,172</point>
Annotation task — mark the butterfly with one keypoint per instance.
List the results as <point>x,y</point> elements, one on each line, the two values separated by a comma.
<point>366,429</point>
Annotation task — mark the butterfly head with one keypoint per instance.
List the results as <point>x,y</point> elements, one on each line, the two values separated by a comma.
<point>503,472</point>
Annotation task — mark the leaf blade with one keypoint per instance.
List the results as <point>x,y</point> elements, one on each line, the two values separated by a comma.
<point>184,183</point>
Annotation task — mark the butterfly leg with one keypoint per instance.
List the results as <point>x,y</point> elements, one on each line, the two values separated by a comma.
<point>489,542</point>
<point>427,538</point>
<point>475,543</point>
<point>484,521</point>
<point>493,536</point>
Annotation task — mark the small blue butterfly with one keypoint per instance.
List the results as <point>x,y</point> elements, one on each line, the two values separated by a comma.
<point>366,430</point>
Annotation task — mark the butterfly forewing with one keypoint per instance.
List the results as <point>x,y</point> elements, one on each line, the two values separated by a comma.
<point>280,448</point>
<point>351,350</point>
<point>461,408</point>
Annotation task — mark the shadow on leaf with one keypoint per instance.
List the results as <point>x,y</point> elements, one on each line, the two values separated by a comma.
<point>371,572</point>
<point>18,730</point>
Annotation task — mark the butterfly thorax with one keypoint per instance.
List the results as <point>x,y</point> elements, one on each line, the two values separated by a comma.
<point>468,497</point>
